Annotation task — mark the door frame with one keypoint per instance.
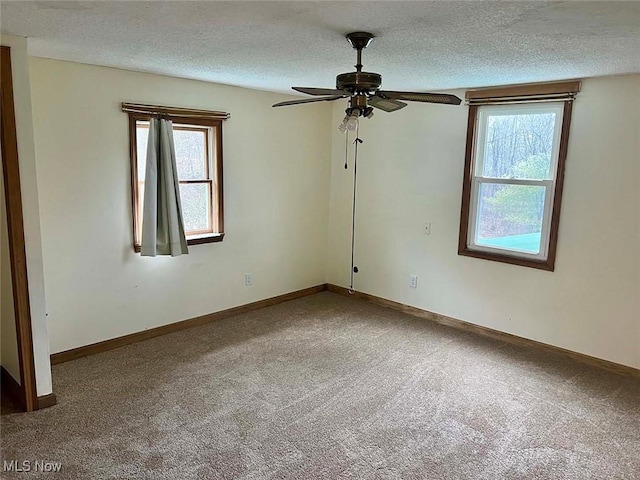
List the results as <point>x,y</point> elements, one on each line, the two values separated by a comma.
<point>15,226</point>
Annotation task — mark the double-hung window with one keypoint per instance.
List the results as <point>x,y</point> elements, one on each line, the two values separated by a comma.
<point>197,141</point>
<point>516,150</point>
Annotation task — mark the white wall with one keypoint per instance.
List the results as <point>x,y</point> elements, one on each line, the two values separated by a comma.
<point>30,210</point>
<point>278,211</point>
<point>8,337</point>
<point>410,172</point>
<point>276,197</point>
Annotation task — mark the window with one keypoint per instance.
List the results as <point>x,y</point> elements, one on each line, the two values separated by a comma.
<point>516,148</point>
<point>198,149</point>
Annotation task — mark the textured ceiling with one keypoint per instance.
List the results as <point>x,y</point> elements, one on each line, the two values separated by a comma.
<point>274,45</point>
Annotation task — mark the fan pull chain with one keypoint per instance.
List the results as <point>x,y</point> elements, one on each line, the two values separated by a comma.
<point>346,148</point>
<point>354,269</point>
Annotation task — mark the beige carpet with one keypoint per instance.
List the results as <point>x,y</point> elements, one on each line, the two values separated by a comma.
<point>328,387</point>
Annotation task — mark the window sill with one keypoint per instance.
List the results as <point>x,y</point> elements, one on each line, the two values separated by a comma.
<point>548,264</point>
<point>196,240</point>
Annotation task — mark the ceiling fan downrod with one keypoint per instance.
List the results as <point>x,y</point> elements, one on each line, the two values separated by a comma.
<point>359,41</point>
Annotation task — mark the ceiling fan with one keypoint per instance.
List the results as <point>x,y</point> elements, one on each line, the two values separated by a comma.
<point>363,90</point>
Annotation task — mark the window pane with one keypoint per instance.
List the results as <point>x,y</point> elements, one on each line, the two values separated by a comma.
<point>142,137</point>
<point>195,199</point>
<point>510,217</point>
<point>191,158</point>
<point>519,145</point>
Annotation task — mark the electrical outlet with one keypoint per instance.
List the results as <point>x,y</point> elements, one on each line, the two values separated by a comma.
<point>426,228</point>
<point>248,279</point>
<point>413,281</point>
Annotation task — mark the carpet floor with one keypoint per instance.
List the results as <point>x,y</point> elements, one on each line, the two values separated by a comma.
<point>328,387</point>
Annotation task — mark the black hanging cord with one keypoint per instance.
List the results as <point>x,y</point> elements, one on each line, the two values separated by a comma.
<point>354,269</point>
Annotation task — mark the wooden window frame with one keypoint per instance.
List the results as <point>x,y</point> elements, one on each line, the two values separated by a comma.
<point>554,92</point>
<point>216,211</point>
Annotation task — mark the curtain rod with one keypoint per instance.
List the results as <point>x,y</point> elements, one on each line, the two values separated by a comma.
<point>564,97</point>
<point>173,111</point>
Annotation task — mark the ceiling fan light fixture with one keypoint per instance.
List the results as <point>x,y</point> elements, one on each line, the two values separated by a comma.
<point>352,121</point>
<point>342,128</point>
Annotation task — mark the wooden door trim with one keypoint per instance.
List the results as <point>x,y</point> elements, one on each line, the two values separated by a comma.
<point>15,226</point>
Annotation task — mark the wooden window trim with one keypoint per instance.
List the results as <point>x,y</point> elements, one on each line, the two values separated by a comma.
<point>463,249</point>
<point>520,93</point>
<point>190,113</point>
<point>217,184</point>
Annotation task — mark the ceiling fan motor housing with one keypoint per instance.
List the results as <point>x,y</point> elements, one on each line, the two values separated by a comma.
<point>358,82</point>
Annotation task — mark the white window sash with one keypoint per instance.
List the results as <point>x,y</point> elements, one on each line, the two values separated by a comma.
<point>549,187</point>
<point>481,122</point>
<point>512,181</point>
<point>212,176</point>
<point>548,184</point>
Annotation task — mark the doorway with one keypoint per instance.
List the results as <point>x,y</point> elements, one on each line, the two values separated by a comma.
<point>23,389</point>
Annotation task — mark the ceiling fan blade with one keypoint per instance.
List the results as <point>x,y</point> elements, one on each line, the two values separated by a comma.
<point>309,100</point>
<point>386,104</point>
<point>319,91</point>
<point>420,97</point>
